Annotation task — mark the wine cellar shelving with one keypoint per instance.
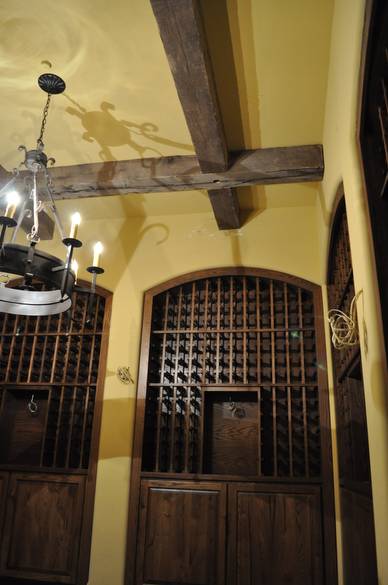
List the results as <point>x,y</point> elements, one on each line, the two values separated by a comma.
<point>350,401</point>
<point>232,448</point>
<point>55,361</point>
<point>352,435</point>
<point>237,336</point>
<point>341,291</point>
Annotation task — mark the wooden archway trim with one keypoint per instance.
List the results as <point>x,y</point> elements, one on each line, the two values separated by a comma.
<point>338,207</point>
<point>231,271</point>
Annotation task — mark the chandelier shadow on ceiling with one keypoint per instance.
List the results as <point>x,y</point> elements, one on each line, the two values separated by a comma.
<point>38,270</point>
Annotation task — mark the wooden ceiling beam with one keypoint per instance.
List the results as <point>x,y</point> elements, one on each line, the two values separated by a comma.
<point>181,30</point>
<point>226,208</point>
<point>184,41</point>
<point>293,164</point>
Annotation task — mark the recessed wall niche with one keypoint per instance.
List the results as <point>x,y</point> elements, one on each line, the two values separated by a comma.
<point>231,424</point>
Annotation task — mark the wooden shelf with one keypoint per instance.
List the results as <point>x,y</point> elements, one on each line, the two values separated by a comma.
<point>228,477</point>
<point>221,387</point>
<point>241,330</point>
<point>42,469</point>
<point>43,384</point>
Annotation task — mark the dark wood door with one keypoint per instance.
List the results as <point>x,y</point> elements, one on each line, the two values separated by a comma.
<point>42,527</point>
<point>3,491</point>
<point>181,536</point>
<point>274,535</point>
<point>359,554</point>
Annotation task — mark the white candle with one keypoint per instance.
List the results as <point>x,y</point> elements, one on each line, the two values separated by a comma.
<point>13,200</point>
<point>97,249</point>
<point>74,267</point>
<point>75,221</point>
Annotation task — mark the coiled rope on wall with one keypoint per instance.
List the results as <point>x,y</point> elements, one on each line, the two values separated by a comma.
<point>344,326</point>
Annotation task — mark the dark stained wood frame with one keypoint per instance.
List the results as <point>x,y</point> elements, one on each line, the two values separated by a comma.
<point>330,554</point>
<point>90,474</point>
<point>339,201</point>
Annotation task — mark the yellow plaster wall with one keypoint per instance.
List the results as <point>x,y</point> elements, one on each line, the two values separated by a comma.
<point>342,163</point>
<point>142,252</point>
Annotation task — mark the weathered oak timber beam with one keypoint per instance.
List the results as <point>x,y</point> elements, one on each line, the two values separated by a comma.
<point>184,41</point>
<point>226,208</point>
<point>293,164</point>
<point>183,37</point>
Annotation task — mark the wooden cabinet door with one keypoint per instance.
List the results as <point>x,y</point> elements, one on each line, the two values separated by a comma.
<point>359,554</point>
<point>181,536</point>
<point>42,527</point>
<point>3,492</point>
<point>274,535</point>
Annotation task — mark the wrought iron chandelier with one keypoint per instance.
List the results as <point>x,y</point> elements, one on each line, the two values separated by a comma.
<point>47,282</point>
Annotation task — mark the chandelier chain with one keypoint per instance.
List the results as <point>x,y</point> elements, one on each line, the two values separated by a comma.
<point>44,120</point>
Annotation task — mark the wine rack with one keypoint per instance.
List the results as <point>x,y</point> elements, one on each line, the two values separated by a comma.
<point>229,334</point>
<point>349,390</point>
<point>55,360</point>
<point>341,290</point>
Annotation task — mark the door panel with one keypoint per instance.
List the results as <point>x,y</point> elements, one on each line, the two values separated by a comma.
<point>181,533</point>
<point>358,533</point>
<point>275,538</point>
<point>3,492</point>
<point>231,441</point>
<point>42,527</point>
